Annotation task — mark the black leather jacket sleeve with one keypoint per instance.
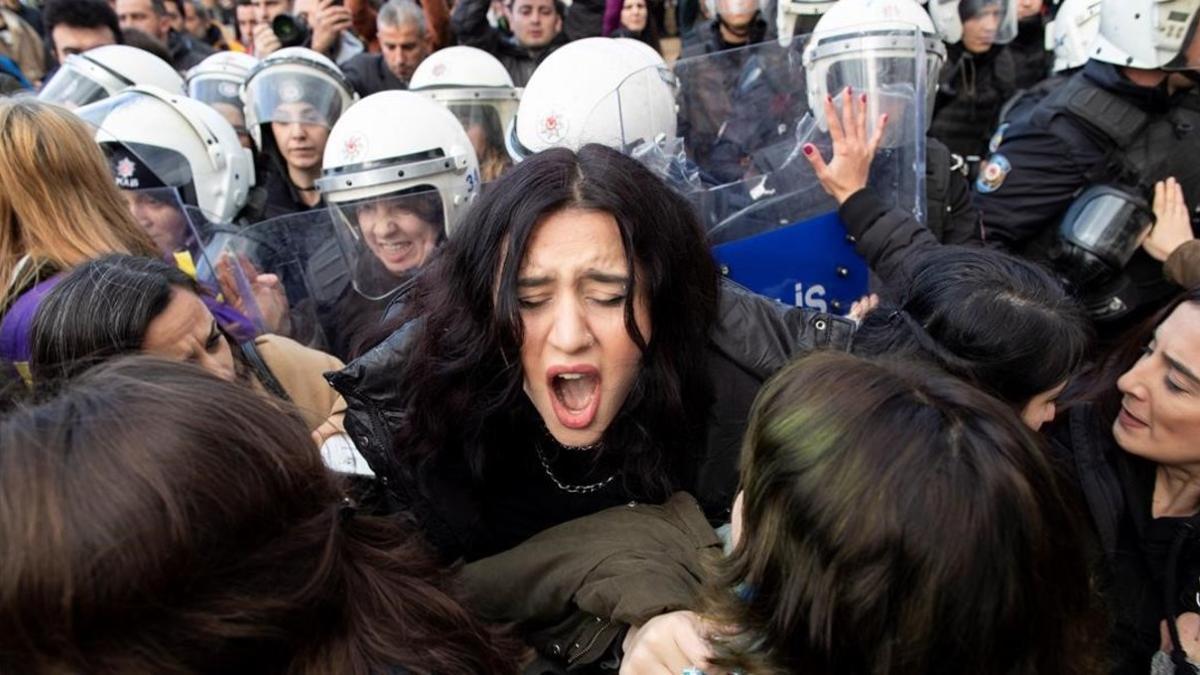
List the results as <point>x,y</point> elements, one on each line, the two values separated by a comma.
<point>470,25</point>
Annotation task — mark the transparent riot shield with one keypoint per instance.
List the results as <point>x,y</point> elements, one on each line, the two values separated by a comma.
<point>263,272</point>
<point>291,276</point>
<point>744,117</point>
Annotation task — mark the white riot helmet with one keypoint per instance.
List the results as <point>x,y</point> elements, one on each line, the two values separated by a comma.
<point>1149,34</point>
<point>1073,32</point>
<point>395,190</point>
<point>477,88</point>
<point>787,12</point>
<point>873,46</point>
<point>98,73</point>
<point>156,139</point>
<point>295,84</point>
<point>218,80</point>
<point>948,16</point>
<point>595,90</point>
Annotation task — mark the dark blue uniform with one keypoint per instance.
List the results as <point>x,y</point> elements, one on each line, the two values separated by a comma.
<point>1099,128</point>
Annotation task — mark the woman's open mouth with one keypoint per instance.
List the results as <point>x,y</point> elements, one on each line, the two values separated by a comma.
<point>574,394</point>
<point>395,251</point>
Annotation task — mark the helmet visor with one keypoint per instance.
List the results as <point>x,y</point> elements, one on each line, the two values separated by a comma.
<point>385,239</point>
<point>72,88</point>
<point>290,95</point>
<point>484,126</point>
<point>214,90</point>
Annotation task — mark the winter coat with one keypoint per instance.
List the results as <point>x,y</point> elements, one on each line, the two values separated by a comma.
<point>299,372</point>
<point>1182,267</point>
<point>973,89</point>
<point>1134,548</point>
<point>21,43</point>
<point>892,240</point>
<point>574,589</point>
<point>754,337</point>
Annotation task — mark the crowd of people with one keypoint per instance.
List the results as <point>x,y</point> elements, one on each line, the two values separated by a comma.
<point>606,336</point>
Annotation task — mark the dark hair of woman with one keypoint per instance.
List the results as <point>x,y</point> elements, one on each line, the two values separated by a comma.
<point>897,520</point>
<point>648,35</point>
<point>160,520</point>
<point>1099,386</point>
<point>1002,323</point>
<point>102,309</point>
<point>467,358</point>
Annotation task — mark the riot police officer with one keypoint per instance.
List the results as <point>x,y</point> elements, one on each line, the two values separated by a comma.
<point>1093,150</point>
<point>887,237</point>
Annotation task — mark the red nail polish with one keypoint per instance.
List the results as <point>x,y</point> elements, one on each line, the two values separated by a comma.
<point>808,148</point>
<point>864,98</point>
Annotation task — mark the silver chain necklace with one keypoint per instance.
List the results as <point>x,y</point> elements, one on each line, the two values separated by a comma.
<point>567,487</point>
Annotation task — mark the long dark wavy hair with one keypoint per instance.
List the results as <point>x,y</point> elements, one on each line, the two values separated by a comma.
<point>157,519</point>
<point>1099,386</point>
<point>464,374</point>
<point>1002,323</point>
<point>102,309</point>
<point>895,521</point>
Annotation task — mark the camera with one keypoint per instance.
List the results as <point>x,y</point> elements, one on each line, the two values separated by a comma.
<point>292,31</point>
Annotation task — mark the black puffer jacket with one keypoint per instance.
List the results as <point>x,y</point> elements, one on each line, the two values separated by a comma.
<point>973,88</point>
<point>1030,56</point>
<point>754,338</point>
<point>1139,555</point>
<point>893,241</point>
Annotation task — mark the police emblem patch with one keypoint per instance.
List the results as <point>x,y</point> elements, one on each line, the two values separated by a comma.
<point>553,128</point>
<point>353,147</point>
<point>290,92</point>
<point>992,174</point>
<point>126,171</point>
<point>125,168</point>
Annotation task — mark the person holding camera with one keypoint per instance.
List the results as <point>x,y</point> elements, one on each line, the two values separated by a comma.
<point>321,25</point>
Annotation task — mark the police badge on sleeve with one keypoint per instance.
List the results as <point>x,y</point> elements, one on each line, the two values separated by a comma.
<point>992,174</point>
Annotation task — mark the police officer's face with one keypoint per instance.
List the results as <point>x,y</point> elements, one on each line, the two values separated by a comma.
<point>979,31</point>
<point>403,48</point>
<point>737,14</point>
<point>396,235</point>
<point>633,15</point>
<point>159,217</point>
<point>300,135</point>
<point>236,117</point>
<point>1028,8</point>
<point>534,23</point>
<point>1160,408</point>
<point>186,331</point>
